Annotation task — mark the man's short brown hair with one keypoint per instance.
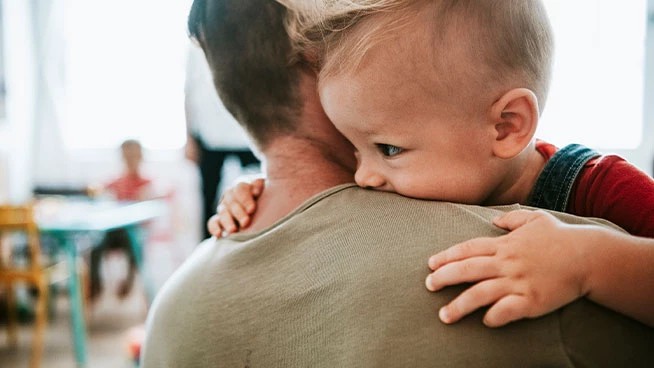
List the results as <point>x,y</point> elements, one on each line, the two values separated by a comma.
<point>249,53</point>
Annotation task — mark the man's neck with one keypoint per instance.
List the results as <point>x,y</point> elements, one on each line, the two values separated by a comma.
<point>296,171</point>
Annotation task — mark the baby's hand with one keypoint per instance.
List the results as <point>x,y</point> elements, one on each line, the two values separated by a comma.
<point>531,271</point>
<point>236,208</point>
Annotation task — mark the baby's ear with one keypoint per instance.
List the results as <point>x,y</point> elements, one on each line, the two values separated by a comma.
<point>515,119</point>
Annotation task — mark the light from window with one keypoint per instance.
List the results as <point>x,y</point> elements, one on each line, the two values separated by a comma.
<point>125,73</point>
<point>596,96</point>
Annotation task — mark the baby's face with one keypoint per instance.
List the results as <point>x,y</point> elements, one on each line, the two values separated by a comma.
<point>408,139</point>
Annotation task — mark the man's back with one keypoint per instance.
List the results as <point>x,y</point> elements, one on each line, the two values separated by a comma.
<point>340,283</point>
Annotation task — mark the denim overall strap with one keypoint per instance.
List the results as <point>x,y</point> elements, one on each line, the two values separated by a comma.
<point>553,187</point>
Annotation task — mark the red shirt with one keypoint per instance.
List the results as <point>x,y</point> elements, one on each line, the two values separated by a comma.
<point>611,188</point>
<point>128,187</point>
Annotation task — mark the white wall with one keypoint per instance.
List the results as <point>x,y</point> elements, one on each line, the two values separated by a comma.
<point>643,156</point>
<point>17,131</point>
<point>647,156</point>
<point>54,165</point>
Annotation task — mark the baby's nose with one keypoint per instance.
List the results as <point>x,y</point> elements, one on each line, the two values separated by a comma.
<point>367,178</point>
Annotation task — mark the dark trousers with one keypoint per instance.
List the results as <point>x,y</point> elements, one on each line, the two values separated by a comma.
<point>211,167</point>
<point>114,240</point>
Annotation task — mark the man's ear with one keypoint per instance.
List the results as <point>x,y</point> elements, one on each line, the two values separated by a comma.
<point>515,119</point>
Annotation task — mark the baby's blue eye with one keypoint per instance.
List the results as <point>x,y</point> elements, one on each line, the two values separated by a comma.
<point>389,150</point>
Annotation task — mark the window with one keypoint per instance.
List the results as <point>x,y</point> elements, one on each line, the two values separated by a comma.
<point>596,96</point>
<point>124,73</point>
<point>2,70</point>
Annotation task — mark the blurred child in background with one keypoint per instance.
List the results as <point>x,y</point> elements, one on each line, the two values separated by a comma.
<point>130,186</point>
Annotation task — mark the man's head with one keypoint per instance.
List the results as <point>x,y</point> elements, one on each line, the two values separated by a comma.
<point>262,82</point>
<point>249,53</point>
<point>458,85</point>
<point>132,153</point>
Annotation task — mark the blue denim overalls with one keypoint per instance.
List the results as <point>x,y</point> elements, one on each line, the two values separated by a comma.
<point>554,184</point>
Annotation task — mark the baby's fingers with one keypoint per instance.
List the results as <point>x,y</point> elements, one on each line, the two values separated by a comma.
<point>468,270</point>
<point>515,219</point>
<point>475,297</point>
<point>234,210</point>
<point>508,309</point>
<point>226,221</point>
<point>472,248</point>
<point>243,194</point>
<point>214,227</point>
<point>257,187</point>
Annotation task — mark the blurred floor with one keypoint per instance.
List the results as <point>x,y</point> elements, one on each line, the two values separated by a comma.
<point>110,319</point>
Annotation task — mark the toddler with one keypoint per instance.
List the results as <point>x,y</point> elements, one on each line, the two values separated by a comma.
<point>130,186</point>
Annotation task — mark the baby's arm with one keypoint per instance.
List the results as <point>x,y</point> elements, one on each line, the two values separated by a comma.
<point>236,208</point>
<point>544,264</point>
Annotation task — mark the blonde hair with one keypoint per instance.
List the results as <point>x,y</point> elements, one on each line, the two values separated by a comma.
<point>509,42</point>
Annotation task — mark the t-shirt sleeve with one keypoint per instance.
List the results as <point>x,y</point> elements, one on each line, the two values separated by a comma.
<point>611,188</point>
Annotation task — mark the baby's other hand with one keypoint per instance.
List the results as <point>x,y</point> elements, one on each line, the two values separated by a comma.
<point>236,208</point>
<point>536,268</point>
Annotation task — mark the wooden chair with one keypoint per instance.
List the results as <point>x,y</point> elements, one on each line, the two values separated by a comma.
<point>20,219</point>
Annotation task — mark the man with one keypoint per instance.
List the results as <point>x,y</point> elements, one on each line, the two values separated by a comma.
<point>328,274</point>
<point>213,134</point>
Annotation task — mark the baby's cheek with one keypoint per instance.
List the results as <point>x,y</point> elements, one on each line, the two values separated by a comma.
<point>437,190</point>
<point>416,188</point>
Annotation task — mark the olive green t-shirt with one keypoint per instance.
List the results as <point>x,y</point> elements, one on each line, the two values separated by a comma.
<point>339,282</point>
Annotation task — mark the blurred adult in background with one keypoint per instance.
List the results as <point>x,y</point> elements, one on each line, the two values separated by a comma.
<point>132,185</point>
<point>213,134</point>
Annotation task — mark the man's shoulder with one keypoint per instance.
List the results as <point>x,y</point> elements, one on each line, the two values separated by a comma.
<point>371,203</point>
<point>390,209</point>
<point>383,206</point>
<point>381,221</point>
<point>352,253</point>
<point>170,314</point>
